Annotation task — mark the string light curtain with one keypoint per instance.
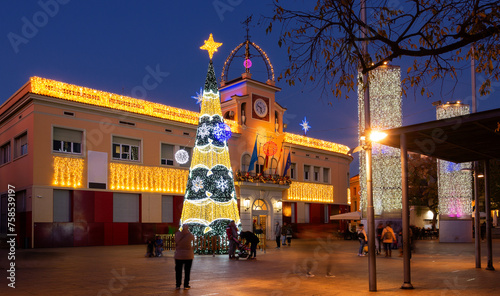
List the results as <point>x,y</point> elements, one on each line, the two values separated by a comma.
<point>385,113</point>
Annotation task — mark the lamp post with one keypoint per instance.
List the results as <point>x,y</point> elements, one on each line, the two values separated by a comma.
<point>372,269</point>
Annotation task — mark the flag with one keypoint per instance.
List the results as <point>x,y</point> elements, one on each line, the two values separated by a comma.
<point>288,164</point>
<point>279,159</point>
<point>254,157</point>
<point>266,161</point>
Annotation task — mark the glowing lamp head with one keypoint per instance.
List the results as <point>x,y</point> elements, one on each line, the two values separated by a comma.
<point>376,136</point>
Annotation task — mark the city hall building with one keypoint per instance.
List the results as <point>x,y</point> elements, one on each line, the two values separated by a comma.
<point>96,168</point>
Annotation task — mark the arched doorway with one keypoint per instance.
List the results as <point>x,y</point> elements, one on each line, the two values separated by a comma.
<point>260,217</point>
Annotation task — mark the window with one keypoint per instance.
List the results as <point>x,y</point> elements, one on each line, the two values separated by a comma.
<point>62,206</point>
<point>126,149</point>
<point>67,140</point>
<point>5,153</point>
<point>167,209</point>
<point>259,205</point>
<point>326,175</point>
<point>307,168</point>
<point>125,207</point>
<point>21,145</point>
<point>260,165</point>
<point>316,174</point>
<point>274,165</point>
<point>188,163</point>
<point>293,171</point>
<point>245,162</point>
<point>167,154</point>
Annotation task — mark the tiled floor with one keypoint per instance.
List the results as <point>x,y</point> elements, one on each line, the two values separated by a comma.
<point>437,269</point>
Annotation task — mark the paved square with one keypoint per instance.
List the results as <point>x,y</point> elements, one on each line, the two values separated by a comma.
<point>437,269</point>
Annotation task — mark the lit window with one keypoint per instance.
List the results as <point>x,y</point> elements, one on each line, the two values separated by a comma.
<point>67,140</point>
<point>259,205</point>
<point>126,149</point>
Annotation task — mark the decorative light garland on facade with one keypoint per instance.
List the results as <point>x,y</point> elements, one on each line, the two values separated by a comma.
<point>68,171</point>
<point>385,112</point>
<point>130,177</point>
<point>454,180</point>
<point>70,92</point>
<point>315,143</point>
<point>310,192</point>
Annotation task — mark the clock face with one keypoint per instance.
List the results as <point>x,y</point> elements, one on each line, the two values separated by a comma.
<point>260,107</point>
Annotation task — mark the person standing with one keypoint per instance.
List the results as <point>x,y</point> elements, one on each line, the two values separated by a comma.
<point>277,233</point>
<point>388,239</point>
<point>251,239</point>
<point>183,256</point>
<point>362,239</point>
<point>283,234</point>
<point>232,236</point>
<point>289,234</point>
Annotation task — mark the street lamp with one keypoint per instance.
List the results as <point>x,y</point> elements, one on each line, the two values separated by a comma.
<point>246,204</point>
<point>278,206</point>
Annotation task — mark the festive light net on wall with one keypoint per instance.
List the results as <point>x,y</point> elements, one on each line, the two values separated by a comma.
<point>68,171</point>
<point>454,184</point>
<point>310,192</point>
<point>129,177</point>
<point>385,113</point>
<point>210,197</point>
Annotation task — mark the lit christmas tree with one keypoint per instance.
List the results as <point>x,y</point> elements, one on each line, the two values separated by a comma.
<point>210,199</point>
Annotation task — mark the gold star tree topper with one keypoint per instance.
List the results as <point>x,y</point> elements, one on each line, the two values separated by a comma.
<point>211,46</point>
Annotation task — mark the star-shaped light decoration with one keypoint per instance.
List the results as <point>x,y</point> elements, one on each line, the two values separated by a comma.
<point>305,125</point>
<point>199,96</point>
<point>211,46</point>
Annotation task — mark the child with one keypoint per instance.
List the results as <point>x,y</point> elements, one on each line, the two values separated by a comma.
<point>149,249</point>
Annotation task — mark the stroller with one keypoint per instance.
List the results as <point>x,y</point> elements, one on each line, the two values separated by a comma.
<point>243,250</point>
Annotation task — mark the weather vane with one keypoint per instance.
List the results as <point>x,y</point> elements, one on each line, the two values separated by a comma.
<point>210,46</point>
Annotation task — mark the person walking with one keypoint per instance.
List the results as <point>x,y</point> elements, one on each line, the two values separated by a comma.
<point>232,236</point>
<point>388,239</point>
<point>277,233</point>
<point>183,256</point>
<point>380,228</point>
<point>362,239</point>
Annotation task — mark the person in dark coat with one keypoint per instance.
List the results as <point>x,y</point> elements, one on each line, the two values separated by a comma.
<point>184,255</point>
<point>251,239</point>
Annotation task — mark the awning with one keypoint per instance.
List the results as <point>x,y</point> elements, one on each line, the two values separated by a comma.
<point>347,216</point>
<point>470,137</point>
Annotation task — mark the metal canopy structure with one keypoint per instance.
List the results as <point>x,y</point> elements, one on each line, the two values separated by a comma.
<point>464,138</point>
<point>472,137</point>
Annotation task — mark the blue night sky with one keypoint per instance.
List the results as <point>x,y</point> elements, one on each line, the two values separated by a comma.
<point>112,46</point>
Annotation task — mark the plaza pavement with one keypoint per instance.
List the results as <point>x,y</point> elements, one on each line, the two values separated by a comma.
<point>437,269</point>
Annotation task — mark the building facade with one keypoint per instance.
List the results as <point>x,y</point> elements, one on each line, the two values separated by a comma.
<point>95,168</point>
